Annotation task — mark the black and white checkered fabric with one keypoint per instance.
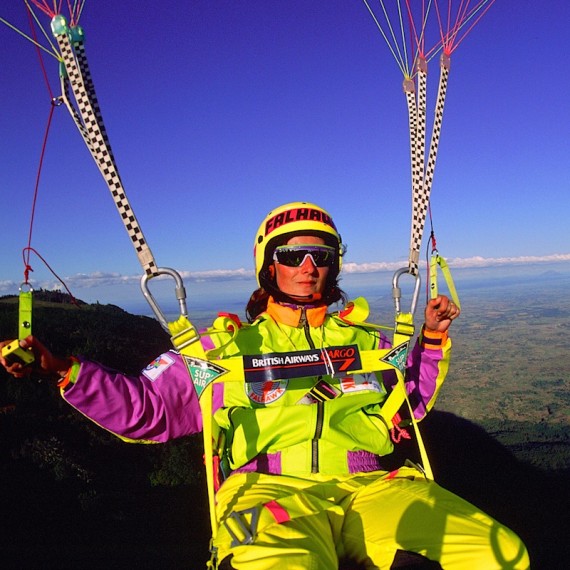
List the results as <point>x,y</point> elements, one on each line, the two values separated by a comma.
<point>89,121</point>
<point>413,120</point>
<point>436,132</point>
<point>422,174</point>
<point>64,83</point>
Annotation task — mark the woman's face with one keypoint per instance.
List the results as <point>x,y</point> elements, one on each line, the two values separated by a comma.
<point>305,282</point>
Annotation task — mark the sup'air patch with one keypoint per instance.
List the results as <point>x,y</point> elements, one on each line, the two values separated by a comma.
<point>158,366</point>
<point>202,372</point>
<point>397,356</point>
<point>266,392</point>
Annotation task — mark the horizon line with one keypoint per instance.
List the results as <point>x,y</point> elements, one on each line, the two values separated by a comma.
<point>100,278</point>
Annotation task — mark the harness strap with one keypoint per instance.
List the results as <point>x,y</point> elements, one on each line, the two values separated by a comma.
<point>206,405</point>
<point>435,262</point>
<point>420,198</point>
<point>13,352</point>
<point>444,66</point>
<point>403,333</point>
<point>25,302</point>
<point>409,90</point>
<point>422,175</point>
<point>89,121</point>
<point>191,348</point>
<point>244,526</point>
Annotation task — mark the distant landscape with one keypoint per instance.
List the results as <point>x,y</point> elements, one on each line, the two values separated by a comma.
<point>498,436</point>
<point>511,367</point>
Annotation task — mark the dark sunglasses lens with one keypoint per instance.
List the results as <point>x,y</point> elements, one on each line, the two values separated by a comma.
<point>290,258</point>
<point>323,258</point>
<point>295,257</point>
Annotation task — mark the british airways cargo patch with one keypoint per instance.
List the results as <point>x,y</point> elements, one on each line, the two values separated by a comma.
<point>285,365</point>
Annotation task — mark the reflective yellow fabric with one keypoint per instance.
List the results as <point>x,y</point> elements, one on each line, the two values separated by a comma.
<point>271,416</point>
<point>364,517</point>
<point>286,427</point>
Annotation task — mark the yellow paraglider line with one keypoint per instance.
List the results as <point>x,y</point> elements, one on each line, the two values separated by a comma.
<point>53,53</point>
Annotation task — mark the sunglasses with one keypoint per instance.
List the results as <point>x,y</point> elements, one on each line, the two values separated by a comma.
<point>295,255</point>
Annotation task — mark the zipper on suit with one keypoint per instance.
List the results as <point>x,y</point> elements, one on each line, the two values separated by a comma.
<point>303,322</point>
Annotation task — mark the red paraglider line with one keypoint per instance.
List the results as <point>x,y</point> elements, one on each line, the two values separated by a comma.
<point>34,201</point>
<point>452,36</point>
<point>474,23</point>
<point>414,38</point>
<point>73,8</point>
<point>46,9</point>
<point>418,39</point>
<point>44,144</point>
<point>455,21</point>
<point>29,250</point>
<point>74,15</point>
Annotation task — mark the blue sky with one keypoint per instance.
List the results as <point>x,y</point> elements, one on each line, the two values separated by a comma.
<point>218,111</point>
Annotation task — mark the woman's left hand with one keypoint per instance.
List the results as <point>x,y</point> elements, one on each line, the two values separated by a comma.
<point>440,312</point>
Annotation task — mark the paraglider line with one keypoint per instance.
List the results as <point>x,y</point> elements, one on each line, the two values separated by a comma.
<point>394,50</point>
<point>38,176</point>
<point>26,255</point>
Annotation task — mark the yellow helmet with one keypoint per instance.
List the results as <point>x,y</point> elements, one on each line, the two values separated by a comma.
<point>293,218</point>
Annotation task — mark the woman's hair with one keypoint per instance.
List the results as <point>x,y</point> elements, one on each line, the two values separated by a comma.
<point>257,304</point>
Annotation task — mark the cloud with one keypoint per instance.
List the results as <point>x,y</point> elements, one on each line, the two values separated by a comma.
<point>373,267</point>
<point>459,262</point>
<point>498,261</point>
<point>218,275</point>
<point>101,279</point>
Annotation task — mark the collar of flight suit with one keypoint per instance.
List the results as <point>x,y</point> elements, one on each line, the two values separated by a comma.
<point>291,314</point>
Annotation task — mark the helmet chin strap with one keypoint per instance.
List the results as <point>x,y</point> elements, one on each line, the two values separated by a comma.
<point>305,298</point>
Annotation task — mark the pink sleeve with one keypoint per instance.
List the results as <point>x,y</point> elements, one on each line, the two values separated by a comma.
<point>427,367</point>
<point>159,405</point>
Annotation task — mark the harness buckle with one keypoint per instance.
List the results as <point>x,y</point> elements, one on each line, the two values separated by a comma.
<point>239,529</point>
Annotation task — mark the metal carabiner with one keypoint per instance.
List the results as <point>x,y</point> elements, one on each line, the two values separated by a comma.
<point>397,292</point>
<point>180,294</point>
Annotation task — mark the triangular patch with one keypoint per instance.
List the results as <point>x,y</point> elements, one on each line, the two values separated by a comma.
<point>202,372</point>
<point>397,356</point>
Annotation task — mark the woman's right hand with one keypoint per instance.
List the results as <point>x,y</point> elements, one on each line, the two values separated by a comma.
<point>45,363</point>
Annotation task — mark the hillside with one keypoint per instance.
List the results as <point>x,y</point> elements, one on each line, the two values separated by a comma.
<point>111,504</point>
